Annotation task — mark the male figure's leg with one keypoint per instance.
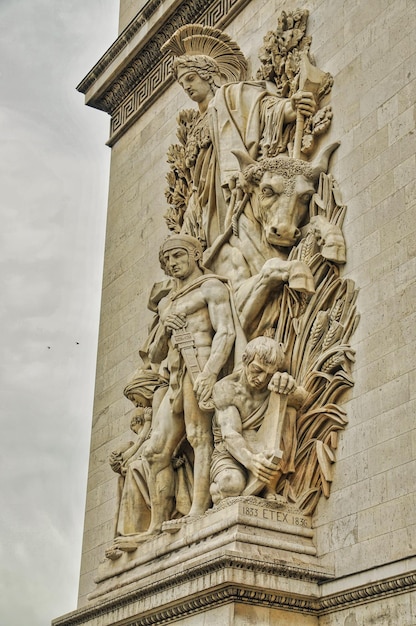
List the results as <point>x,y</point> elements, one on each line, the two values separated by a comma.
<point>228,478</point>
<point>167,432</point>
<point>198,426</point>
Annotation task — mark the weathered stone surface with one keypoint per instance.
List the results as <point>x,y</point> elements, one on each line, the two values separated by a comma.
<point>253,288</point>
<point>366,525</point>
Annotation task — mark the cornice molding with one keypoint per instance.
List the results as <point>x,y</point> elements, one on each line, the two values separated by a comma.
<point>125,82</point>
<point>218,564</point>
<point>232,592</point>
<point>365,593</point>
<point>223,592</point>
<point>125,37</point>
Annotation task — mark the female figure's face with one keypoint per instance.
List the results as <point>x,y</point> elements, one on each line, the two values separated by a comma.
<point>198,89</point>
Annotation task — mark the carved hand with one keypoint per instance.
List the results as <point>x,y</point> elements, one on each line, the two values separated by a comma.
<point>262,466</point>
<point>174,321</point>
<point>203,386</point>
<point>329,237</point>
<point>274,272</point>
<point>304,102</point>
<point>116,460</point>
<point>282,382</point>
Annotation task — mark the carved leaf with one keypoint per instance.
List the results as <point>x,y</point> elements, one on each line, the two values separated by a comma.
<point>319,357</point>
<point>279,56</point>
<point>324,460</point>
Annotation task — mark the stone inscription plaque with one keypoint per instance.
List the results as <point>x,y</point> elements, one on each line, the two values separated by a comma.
<point>282,517</point>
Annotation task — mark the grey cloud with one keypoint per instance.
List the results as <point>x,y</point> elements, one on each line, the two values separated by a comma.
<point>53,184</point>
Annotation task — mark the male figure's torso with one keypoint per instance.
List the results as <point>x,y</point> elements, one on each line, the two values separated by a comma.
<point>194,305</point>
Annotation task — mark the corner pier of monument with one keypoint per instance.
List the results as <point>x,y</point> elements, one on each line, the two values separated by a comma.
<point>253,439</point>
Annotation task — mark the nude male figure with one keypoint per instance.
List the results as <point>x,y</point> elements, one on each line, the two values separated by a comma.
<point>241,401</point>
<point>199,305</point>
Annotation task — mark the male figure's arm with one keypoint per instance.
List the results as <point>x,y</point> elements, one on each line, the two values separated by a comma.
<point>229,421</point>
<point>217,298</point>
<point>158,348</point>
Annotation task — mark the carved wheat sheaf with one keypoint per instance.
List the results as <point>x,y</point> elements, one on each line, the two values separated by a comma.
<point>249,353</point>
<point>316,337</point>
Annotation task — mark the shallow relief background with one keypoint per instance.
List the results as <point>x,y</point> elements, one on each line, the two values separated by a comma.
<point>366,47</point>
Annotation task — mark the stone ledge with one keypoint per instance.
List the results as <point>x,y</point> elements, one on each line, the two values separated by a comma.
<point>232,581</point>
<point>245,548</point>
<point>370,585</point>
<point>125,609</point>
<point>246,551</point>
<point>249,526</point>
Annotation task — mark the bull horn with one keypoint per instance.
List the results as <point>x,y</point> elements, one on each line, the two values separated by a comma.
<point>322,160</point>
<point>244,159</point>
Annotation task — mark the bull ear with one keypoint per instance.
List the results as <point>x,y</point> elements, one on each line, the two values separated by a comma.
<point>320,164</point>
<point>244,159</point>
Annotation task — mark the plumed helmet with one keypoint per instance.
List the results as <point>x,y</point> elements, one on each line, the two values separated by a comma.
<point>195,40</point>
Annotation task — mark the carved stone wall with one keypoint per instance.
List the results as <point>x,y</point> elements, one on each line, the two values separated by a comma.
<point>365,532</point>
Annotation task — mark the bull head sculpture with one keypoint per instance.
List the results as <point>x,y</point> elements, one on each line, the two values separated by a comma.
<point>281,189</point>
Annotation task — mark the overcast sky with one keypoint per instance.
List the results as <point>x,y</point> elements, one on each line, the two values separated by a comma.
<point>53,186</point>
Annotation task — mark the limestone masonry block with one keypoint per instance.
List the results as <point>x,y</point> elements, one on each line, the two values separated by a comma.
<point>361,507</point>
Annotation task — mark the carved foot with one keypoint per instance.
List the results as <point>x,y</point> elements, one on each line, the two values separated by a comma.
<point>130,543</point>
<point>271,496</point>
<point>174,525</point>
<point>113,553</point>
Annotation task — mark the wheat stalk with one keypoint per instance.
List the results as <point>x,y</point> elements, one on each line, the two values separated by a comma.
<point>329,337</point>
<point>331,363</point>
<point>307,247</point>
<point>317,328</point>
<point>335,314</point>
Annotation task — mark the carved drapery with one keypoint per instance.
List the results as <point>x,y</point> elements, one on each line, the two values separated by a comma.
<point>249,352</point>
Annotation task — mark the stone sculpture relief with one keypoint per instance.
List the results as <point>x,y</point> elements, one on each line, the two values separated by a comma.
<point>254,407</point>
<point>249,351</point>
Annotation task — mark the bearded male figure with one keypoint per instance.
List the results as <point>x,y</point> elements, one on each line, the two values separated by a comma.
<point>233,115</point>
<point>194,339</point>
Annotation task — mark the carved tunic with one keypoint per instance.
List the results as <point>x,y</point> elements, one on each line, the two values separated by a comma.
<point>236,119</point>
<point>221,458</point>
